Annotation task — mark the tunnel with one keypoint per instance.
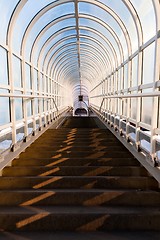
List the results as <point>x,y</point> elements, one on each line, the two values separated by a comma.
<point>92,59</point>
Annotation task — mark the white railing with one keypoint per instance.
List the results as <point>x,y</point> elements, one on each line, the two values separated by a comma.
<point>143,137</point>
<point>135,138</point>
<point>36,124</point>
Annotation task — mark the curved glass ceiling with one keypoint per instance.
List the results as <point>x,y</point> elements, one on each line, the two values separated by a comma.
<point>75,41</point>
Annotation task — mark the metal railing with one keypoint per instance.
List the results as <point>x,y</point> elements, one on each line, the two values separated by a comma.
<point>144,137</point>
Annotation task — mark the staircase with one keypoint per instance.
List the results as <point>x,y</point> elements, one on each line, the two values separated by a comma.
<point>78,178</point>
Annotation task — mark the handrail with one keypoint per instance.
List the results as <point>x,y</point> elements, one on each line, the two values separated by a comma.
<point>136,95</point>
<point>28,96</point>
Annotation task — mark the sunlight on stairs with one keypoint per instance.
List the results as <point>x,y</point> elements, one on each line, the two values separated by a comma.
<point>78,178</point>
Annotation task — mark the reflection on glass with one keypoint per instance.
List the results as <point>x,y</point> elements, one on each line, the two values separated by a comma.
<point>3,67</point>
<point>4,108</point>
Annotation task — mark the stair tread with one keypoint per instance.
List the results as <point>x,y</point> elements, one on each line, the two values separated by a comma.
<point>79,177</point>
<point>95,235</point>
<point>87,189</point>
<point>79,210</point>
<point>78,190</point>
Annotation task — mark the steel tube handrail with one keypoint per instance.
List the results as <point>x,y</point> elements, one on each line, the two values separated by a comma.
<point>28,96</point>
<point>155,94</point>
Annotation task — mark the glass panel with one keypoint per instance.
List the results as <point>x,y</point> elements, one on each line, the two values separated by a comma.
<point>6,10</point>
<point>107,18</point>
<point>133,108</point>
<point>134,71</point>
<point>102,53</point>
<point>120,8</point>
<point>56,27</point>
<point>16,66</point>
<point>85,33</point>
<point>19,134</point>
<point>28,76</point>
<point>3,67</point>
<point>148,64</point>
<point>5,141</point>
<point>18,107</point>
<point>49,16</point>
<point>4,108</point>
<point>30,128</point>
<point>146,14</point>
<point>50,44</point>
<point>29,106</point>
<point>125,76</point>
<point>36,102</point>
<point>26,14</point>
<point>147,104</point>
<point>125,107</point>
<point>119,79</point>
<point>35,80</point>
<point>60,46</point>
<point>99,28</point>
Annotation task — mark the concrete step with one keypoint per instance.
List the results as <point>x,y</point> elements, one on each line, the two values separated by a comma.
<point>78,218</point>
<point>79,139</point>
<point>75,144</point>
<point>71,235</point>
<point>73,171</point>
<point>60,148</point>
<point>80,197</point>
<point>75,154</point>
<point>80,182</point>
<point>61,161</point>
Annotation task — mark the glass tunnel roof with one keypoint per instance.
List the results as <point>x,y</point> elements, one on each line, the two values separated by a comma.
<point>77,42</point>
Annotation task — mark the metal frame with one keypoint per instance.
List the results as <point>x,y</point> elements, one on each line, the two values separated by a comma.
<point>107,61</point>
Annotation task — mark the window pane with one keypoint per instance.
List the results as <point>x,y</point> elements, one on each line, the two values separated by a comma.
<point>28,77</point>
<point>29,106</point>
<point>105,17</point>
<point>134,71</point>
<point>6,9</point>
<point>148,63</point>
<point>147,17</point>
<point>4,108</point>
<point>147,105</point>
<point>133,109</point>
<point>3,67</point>
<point>49,33</point>
<point>18,107</point>
<point>16,66</point>
<point>35,80</point>
<point>27,14</point>
<point>125,76</point>
<point>120,8</point>
<point>51,43</point>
